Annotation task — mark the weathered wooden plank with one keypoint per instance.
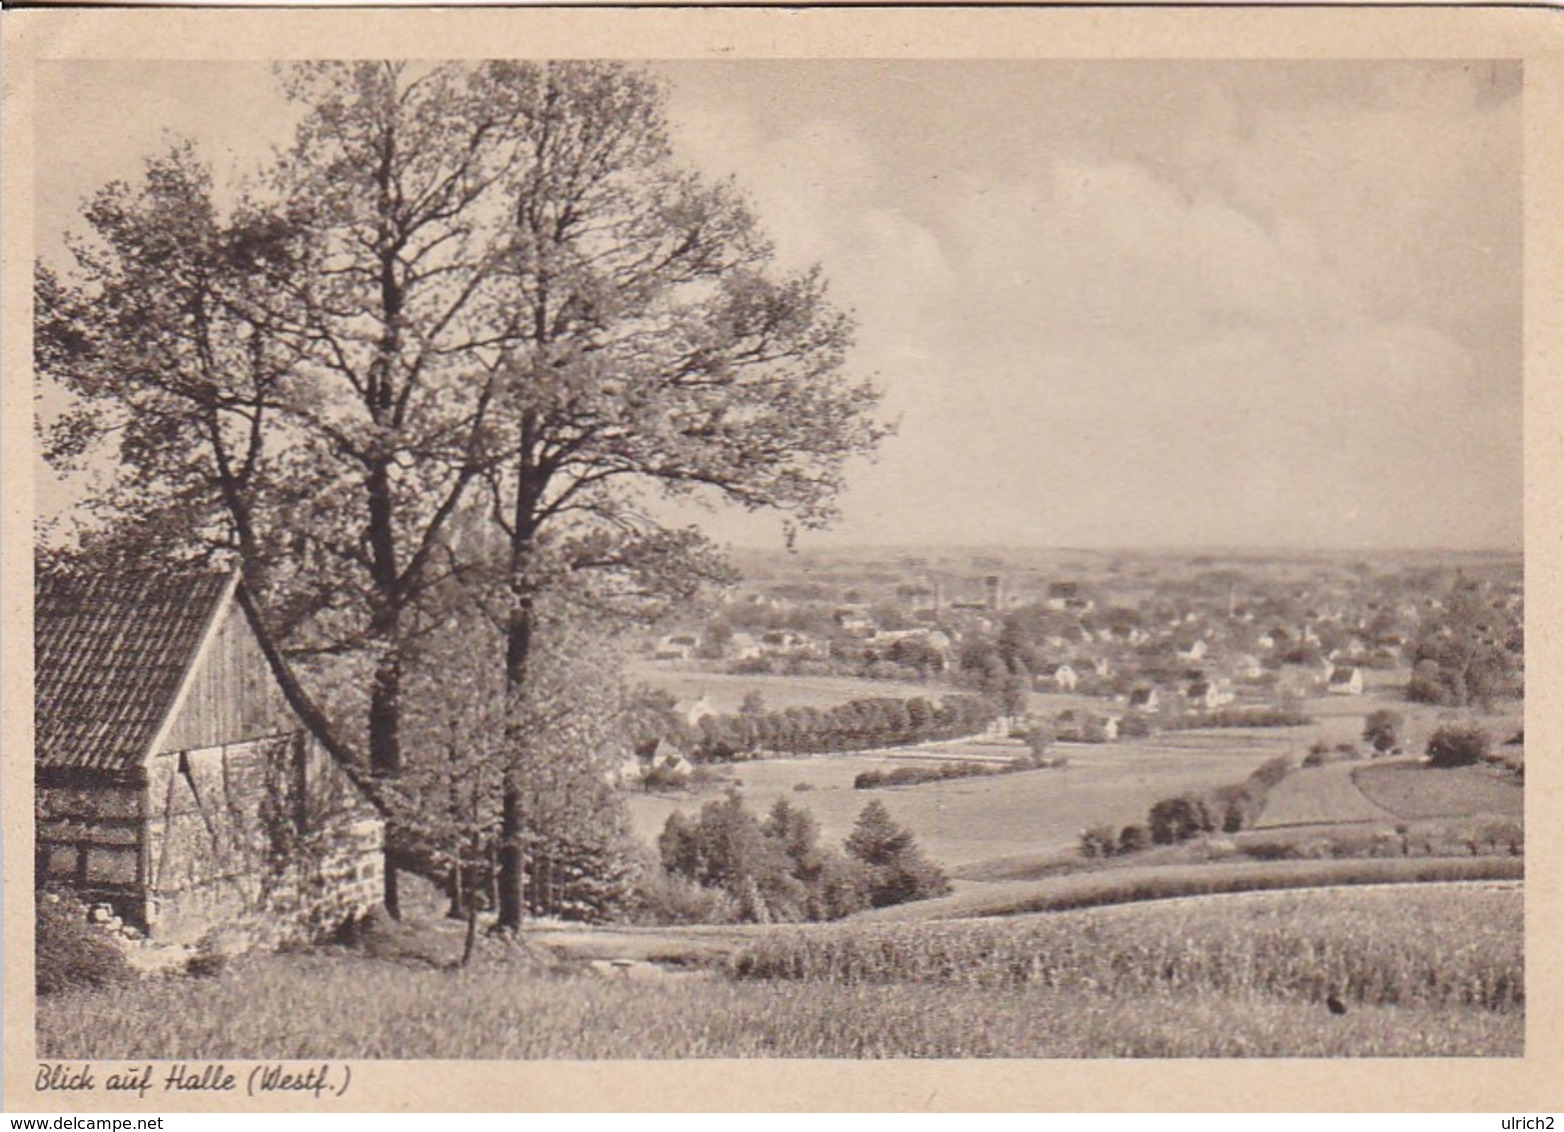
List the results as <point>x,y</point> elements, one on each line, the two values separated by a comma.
<point>231,695</point>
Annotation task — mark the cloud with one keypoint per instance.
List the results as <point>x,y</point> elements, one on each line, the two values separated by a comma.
<point>1123,302</point>
<point>1289,315</point>
<point>1112,249</point>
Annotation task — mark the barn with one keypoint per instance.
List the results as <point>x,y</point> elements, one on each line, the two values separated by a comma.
<point>172,778</point>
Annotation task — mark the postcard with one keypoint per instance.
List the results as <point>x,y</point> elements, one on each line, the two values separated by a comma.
<point>767,559</point>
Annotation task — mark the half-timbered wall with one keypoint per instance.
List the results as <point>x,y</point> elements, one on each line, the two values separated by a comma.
<point>269,828</point>
<point>239,815</point>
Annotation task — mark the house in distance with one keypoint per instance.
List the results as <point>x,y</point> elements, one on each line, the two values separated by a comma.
<point>172,778</point>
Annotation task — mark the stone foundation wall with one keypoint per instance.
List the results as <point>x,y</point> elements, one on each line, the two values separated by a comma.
<point>267,838</point>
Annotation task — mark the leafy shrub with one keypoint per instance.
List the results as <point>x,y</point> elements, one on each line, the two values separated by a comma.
<point>72,952</point>
<point>1237,807</point>
<point>1135,726</point>
<point>1178,819</point>
<point>1083,728</point>
<point>1272,771</point>
<point>1457,744</point>
<point>1099,841</point>
<point>1273,850</point>
<point>1038,737</point>
<point>663,898</point>
<point>918,775</point>
<point>1133,838</point>
<point>840,886</point>
<point>1382,729</point>
<point>1227,808</point>
<point>1428,686</point>
<point>661,778</point>
<point>1321,754</point>
<point>206,964</point>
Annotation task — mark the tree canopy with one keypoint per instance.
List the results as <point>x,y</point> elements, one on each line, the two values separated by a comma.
<point>465,331</point>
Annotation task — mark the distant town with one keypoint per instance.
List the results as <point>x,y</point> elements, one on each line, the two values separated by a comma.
<point>1143,637</point>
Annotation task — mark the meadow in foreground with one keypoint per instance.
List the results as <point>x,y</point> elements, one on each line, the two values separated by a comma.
<point>1432,971</point>
<point>315,1007</point>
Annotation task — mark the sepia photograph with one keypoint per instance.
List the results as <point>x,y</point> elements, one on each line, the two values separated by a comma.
<point>586,557</point>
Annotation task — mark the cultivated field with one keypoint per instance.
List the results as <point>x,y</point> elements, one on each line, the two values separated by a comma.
<point>978,819</point>
<point>1432,945</point>
<point>1319,795</point>
<point>1037,815</point>
<point>1430,971</point>
<point>1195,950</point>
<point>1133,880</point>
<point>1389,792</point>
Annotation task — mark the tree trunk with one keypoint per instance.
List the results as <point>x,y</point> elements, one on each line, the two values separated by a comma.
<point>470,944</point>
<point>512,860</point>
<point>518,646</point>
<point>385,751</point>
<point>512,904</point>
<point>385,706</point>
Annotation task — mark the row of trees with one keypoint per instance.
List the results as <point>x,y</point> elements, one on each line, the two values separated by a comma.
<point>1226,809</point>
<point>423,379</point>
<point>881,721</point>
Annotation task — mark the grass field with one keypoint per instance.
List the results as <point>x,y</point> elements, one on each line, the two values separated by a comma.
<point>363,1011</point>
<point>1427,972</point>
<point>1039,814</point>
<point>977,819</point>
<point>1410,790</point>
<point>1390,791</point>
<point>1339,719</point>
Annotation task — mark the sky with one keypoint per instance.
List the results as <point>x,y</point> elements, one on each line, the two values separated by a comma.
<point>1117,304</point>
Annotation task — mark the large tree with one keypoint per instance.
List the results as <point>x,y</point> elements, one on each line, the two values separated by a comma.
<point>302,378</point>
<point>465,289</point>
<point>661,353</point>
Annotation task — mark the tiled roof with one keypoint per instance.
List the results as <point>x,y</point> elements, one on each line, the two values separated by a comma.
<point>110,653</point>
